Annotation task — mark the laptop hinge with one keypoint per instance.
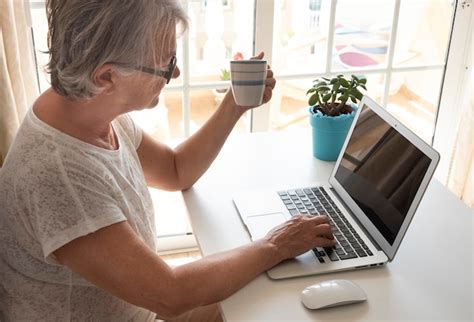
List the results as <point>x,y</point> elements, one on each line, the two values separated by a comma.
<point>334,192</point>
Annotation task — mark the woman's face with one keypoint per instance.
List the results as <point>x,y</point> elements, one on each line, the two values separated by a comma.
<point>144,88</point>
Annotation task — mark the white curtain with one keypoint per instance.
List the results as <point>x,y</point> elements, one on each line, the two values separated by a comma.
<point>461,171</point>
<point>18,82</point>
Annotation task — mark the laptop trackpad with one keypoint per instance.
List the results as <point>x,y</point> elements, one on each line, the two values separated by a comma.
<point>260,225</point>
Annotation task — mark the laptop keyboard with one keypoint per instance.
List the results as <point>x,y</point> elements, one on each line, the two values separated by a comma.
<point>315,202</point>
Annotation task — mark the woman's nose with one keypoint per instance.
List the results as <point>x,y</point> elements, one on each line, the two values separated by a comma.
<point>176,72</point>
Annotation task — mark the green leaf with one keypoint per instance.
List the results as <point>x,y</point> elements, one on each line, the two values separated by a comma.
<point>357,94</point>
<point>344,98</point>
<point>225,74</point>
<point>344,82</point>
<point>313,100</point>
<point>326,97</point>
<point>339,88</point>
<point>323,89</point>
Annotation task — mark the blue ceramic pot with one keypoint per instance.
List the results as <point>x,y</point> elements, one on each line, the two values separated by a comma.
<point>329,133</point>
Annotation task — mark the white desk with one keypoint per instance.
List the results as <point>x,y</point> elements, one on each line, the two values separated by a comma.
<point>430,278</point>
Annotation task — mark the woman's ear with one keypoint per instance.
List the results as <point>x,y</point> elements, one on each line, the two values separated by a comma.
<point>105,77</point>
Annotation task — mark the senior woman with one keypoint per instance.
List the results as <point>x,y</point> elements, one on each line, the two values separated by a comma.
<point>77,232</point>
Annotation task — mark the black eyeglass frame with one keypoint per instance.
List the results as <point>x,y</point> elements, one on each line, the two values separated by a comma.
<point>166,74</point>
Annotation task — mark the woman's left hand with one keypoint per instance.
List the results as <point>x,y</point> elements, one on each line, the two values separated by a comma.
<point>267,94</point>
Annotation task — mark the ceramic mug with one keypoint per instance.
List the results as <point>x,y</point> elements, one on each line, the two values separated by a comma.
<point>248,81</point>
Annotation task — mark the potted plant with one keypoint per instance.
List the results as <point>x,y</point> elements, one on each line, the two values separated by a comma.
<point>332,108</point>
<point>219,93</point>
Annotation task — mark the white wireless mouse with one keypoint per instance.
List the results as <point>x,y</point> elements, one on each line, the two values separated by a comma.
<point>332,293</point>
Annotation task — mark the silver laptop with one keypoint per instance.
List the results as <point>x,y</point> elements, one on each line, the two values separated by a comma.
<point>371,197</point>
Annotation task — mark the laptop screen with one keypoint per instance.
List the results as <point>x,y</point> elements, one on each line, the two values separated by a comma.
<point>381,171</point>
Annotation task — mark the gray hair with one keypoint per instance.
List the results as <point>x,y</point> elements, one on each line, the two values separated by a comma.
<point>84,35</point>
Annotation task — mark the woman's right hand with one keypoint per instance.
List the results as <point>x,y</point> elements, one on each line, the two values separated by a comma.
<point>300,234</point>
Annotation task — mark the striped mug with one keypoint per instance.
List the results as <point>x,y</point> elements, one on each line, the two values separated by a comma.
<point>248,81</point>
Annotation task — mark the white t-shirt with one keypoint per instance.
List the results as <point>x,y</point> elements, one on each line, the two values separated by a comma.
<point>55,188</point>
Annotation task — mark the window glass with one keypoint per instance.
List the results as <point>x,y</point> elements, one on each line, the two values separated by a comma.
<point>290,104</point>
<point>300,36</point>
<point>164,121</point>
<point>414,99</point>
<point>423,32</point>
<point>204,103</point>
<point>362,33</point>
<point>219,30</point>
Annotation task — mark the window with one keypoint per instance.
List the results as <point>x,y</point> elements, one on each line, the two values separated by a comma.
<point>399,45</point>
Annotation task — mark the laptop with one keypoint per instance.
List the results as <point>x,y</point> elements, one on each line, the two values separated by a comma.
<point>377,183</point>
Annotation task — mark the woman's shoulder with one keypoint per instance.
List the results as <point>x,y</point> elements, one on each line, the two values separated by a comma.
<point>130,129</point>
<point>40,152</point>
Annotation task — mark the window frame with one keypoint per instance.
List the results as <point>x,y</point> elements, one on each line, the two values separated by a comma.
<point>261,117</point>
<point>264,22</point>
<point>455,82</point>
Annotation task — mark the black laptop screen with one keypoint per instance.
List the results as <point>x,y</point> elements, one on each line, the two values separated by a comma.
<point>382,172</point>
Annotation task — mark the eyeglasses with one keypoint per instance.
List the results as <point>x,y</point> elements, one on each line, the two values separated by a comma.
<point>166,73</point>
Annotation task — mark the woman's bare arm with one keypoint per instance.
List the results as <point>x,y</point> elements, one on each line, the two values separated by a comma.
<point>115,259</point>
<point>180,168</point>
